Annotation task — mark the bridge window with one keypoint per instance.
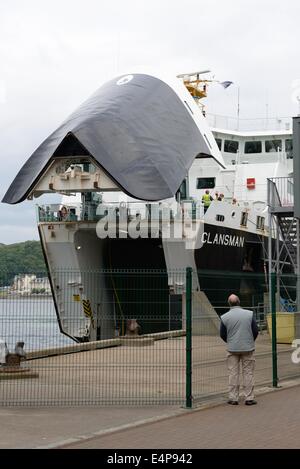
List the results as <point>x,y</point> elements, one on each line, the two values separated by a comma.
<point>260,223</point>
<point>253,147</point>
<point>206,183</point>
<point>289,148</point>
<point>231,146</point>
<point>273,146</point>
<point>244,219</point>
<point>219,143</point>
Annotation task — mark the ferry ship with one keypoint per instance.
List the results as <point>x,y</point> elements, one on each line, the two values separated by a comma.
<point>132,164</point>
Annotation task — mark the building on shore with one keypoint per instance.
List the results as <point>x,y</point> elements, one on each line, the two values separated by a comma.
<point>25,284</point>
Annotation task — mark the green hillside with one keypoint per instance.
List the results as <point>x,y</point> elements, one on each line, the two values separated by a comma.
<point>18,258</point>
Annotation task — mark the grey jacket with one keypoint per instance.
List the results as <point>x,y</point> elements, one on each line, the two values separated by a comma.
<point>239,329</point>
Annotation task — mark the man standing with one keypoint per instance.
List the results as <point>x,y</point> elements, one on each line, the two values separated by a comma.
<point>239,329</point>
<point>206,200</point>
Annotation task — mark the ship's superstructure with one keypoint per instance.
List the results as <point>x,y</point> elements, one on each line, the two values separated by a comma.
<point>132,164</point>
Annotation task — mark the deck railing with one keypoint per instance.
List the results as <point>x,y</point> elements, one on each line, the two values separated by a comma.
<point>281,192</point>
<point>253,124</point>
<point>122,210</point>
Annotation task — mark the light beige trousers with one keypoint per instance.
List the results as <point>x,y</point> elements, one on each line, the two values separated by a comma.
<point>241,363</point>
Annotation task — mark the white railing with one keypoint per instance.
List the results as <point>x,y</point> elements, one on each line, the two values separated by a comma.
<point>218,121</point>
<point>281,192</point>
<point>123,210</point>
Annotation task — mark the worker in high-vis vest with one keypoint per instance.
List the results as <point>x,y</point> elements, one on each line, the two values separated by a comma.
<point>206,200</point>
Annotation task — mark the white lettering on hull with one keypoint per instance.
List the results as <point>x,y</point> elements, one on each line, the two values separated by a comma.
<point>223,240</point>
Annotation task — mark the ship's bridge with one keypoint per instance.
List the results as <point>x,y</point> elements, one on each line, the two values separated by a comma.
<point>252,140</point>
<point>255,147</point>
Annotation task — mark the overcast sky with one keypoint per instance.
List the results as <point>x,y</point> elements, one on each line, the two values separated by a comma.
<point>54,54</point>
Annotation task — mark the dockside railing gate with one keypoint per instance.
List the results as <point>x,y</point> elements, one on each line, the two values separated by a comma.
<point>155,336</point>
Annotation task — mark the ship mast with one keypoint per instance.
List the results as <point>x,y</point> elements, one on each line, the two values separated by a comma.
<point>196,86</point>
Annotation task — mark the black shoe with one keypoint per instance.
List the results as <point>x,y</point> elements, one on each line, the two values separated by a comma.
<point>233,402</point>
<point>252,402</point>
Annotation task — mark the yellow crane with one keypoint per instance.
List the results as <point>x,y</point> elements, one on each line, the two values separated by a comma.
<point>196,85</point>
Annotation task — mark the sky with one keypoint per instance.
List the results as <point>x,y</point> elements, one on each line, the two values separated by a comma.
<point>55,54</point>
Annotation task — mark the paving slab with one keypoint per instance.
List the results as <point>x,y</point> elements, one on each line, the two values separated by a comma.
<point>43,427</point>
<point>273,423</point>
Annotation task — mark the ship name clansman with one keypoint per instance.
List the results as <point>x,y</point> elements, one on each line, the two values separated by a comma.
<point>223,239</point>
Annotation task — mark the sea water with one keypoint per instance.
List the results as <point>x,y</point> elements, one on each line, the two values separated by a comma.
<point>31,320</point>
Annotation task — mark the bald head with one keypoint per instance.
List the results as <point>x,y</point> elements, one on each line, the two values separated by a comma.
<point>233,300</point>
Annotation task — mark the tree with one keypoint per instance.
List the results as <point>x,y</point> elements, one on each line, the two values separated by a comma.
<point>21,258</point>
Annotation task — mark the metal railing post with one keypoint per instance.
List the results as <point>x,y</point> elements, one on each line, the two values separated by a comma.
<point>274,331</point>
<point>188,299</point>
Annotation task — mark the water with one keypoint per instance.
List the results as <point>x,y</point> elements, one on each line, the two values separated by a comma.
<point>31,320</point>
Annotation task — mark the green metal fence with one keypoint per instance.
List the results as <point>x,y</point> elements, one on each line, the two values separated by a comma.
<point>135,337</point>
<point>277,322</point>
<point>123,340</point>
